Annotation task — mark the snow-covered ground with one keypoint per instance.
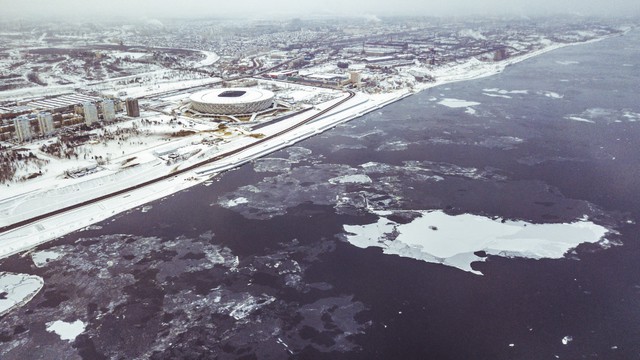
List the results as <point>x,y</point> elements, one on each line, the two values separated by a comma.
<point>210,58</point>
<point>158,88</point>
<point>439,238</point>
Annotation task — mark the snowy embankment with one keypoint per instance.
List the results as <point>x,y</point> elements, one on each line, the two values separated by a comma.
<point>23,207</point>
<point>28,236</point>
<point>37,202</point>
<point>476,69</point>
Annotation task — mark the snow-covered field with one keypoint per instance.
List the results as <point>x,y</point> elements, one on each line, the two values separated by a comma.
<point>159,88</point>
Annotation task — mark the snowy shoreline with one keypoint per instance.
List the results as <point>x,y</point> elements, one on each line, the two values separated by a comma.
<point>31,235</point>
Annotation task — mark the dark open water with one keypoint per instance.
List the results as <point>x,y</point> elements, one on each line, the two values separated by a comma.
<point>270,276</point>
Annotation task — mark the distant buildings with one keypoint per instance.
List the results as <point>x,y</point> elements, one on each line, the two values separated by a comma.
<point>133,109</point>
<point>61,103</point>
<point>281,75</point>
<point>22,125</point>
<point>108,110</point>
<point>45,123</point>
<point>90,113</point>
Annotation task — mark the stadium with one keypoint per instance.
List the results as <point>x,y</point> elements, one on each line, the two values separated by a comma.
<point>231,101</point>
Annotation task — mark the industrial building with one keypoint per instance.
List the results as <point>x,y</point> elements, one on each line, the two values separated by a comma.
<point>61,103</point>
<point>231,101</point>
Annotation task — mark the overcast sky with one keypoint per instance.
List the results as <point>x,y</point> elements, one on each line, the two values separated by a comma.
<point>182,8</point>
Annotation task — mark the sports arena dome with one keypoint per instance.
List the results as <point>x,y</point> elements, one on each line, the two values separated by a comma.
<point>231,101</point>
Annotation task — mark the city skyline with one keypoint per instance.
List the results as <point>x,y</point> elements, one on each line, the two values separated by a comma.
<point>284,8</point>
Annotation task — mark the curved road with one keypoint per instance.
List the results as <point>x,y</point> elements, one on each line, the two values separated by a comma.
<point>168,176</point>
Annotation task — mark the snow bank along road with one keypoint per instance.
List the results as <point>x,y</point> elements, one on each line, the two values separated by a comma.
<point>219,157</point>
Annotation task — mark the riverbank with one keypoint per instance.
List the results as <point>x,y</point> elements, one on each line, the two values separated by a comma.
<point>21,206</point>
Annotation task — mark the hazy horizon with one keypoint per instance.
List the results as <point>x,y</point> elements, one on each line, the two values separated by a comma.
<point>284,8</point>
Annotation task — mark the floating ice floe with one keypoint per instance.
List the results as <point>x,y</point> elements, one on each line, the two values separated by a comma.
<point>577,118</point>
<point>17,290</point>
<point>396,145</point>
<point>42,258</point>
<point>436,237</point>
<point>338,147</point>
<point>66,331</point>
<point>497,95</point>
<point>631,116</point>
<point>351,179</point>
<point>550,94</point>
<point>236,202</point>
<point>504,92</point>
<point>272,165</point>
<point>494,92</point>
<point>239,305</point>
<point>457,103</point>
<point>567,62</point>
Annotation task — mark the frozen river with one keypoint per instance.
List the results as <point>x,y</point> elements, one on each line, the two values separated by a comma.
<point>318,251</point>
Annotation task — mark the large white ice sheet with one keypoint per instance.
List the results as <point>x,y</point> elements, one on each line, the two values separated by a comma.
<point>436,237</point>
<point>17,290</point>
<point>66,331</point>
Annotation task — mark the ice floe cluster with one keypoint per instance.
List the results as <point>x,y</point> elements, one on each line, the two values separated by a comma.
<point>372,184</point>
<point>168,294</point>
<point>605,116</point>
<point>508,94</point>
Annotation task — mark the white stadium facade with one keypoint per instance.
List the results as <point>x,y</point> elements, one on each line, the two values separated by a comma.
<point>231,101</point>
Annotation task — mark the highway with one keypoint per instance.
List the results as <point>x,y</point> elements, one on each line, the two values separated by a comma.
<point>29,221</point>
